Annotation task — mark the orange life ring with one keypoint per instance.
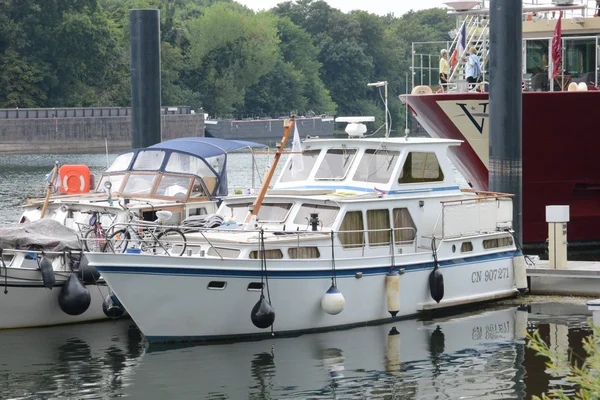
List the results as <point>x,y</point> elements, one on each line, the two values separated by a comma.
<point>74,179</point>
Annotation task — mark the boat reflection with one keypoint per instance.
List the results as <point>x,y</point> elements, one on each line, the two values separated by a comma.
<point>413,359</point>
<point>95,359</point>
<point>480,354</point>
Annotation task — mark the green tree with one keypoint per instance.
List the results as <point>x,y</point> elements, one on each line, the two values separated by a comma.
<point>231,48</point>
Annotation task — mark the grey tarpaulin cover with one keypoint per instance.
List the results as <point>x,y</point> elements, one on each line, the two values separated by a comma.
<point>44,234</point>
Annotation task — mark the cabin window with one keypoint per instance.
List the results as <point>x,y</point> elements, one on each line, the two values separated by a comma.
<point>421,167</point>
<point>327,214</point>
<point>223,252</point>
<point>351,230</point>
<point>376,165</point>
<point>466,247</point>
<point>115,180</point>
<point>236,211</point>
<point>291,174</point>
<point>187,164</point>
<point>255,286</point>
<point>269,212</point>
<point>335,164</point>
<point>197,211</point>
<point>216,285</point>
<point>148,160</point>
<point>304,252</point>
<point>121,163</point>
<point>378,225</point>
<point>404,226</point>
<point>173,186</point>
<point>499,242</point>
<point>275,254</point>
<point>274,212</point>
<point>198,189</point>
<point>139,184</point>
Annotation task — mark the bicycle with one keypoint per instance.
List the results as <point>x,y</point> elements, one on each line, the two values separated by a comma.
<point>151,236</point>
<point>95,238</point>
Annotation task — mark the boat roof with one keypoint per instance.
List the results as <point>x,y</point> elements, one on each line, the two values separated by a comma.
<point>204,147</point>
<point>370,141</point>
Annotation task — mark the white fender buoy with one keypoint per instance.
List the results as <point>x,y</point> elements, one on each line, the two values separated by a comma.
<point>520,271</point>
<point>392,364</point>
<point>521,317</point>
<point>333,301</point>
<point>392,290</point>
<point>582,87</point>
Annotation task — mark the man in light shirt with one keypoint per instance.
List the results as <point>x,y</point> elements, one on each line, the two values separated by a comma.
<point>473,66</point>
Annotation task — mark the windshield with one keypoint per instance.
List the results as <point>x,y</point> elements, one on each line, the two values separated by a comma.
<point>291,173</point>
<point>121,163</point>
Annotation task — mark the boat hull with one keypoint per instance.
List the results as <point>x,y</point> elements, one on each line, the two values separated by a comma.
<point>170,300</point>
<point>559,150</point>
<point>25,302</point>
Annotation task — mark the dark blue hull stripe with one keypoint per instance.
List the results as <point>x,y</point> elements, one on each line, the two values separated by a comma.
<point>293,274</point>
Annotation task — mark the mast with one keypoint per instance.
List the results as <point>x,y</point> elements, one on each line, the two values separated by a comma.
<point>288,126</point>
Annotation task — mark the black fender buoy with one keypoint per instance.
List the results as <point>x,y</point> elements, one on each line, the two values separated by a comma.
<point>436,285</point>
<point>262,314</point>
<point>112,307</point>
<point>89,275</point>
<point>47,273</point>
<point>74,298</point>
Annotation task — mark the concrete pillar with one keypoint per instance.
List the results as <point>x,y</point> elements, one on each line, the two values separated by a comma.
<point>557,218</point>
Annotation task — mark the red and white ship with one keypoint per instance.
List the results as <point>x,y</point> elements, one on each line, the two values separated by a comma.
<point>560,136</point>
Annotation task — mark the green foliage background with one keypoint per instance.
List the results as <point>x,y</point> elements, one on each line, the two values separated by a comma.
<point>300,57</point>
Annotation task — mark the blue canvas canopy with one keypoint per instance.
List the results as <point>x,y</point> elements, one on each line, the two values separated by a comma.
<point>204,147</point>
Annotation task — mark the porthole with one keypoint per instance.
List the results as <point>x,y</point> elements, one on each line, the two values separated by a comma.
<point>255,286</point>
<point>216,285</point>
<point>454,248</point>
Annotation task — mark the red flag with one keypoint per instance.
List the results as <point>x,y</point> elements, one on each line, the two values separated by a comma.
<point>557,47</point>
<point>453,59</point>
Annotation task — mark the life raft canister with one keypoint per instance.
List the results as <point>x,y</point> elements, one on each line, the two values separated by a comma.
<point>74,179</point>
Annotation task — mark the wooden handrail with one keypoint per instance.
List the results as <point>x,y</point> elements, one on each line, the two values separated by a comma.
<point>265,186</point>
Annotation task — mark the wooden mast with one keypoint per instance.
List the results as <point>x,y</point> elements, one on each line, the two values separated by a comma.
<point>263,190</point>
<point>49,192</point>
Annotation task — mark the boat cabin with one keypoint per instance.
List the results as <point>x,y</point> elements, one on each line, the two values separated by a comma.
<point>391,166</point>
<point>181,169</point>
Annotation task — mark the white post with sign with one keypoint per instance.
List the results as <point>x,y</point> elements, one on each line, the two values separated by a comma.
<point>557,218</point>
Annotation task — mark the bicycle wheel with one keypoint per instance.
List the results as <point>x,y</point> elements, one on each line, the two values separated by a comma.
<point>170,242</point>
<point>94,240</point>
<point>119,240</point>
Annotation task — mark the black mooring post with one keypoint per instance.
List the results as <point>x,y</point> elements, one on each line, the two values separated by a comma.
<point>505,169</point>
<point>145,77</point>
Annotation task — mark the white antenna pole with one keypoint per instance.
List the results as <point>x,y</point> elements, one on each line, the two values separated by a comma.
<point>384,84</point>
<point>406,130</point>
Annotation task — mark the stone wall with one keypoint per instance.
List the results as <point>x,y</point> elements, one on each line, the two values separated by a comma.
<point>86,133</point>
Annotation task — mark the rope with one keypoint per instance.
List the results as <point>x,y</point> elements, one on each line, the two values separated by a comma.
<point>528,260</point>
<point>333,276</point>
<point>434,250</point>
<point>264,267</point>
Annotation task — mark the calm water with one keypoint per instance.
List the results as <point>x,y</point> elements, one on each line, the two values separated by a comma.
<point>474,355</point>
<point>479,354</point>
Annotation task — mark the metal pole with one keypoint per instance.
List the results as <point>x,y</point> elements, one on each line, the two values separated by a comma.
<point>505,143</point>
<point>412,71</point>
<point>387,132</point>
<point>145,77</point>
<point>406,130</point>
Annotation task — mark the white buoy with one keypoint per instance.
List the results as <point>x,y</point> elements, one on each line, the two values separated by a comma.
<point>392,290</point>
<point>520,271</point>
<point>521,317</point>
<point>333,301</point>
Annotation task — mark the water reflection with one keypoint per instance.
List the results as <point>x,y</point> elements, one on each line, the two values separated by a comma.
<point>480,354</point>
<point>80,361</point>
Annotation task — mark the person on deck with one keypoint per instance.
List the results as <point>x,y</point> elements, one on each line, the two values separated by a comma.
<point>444,70</point>
<point>473,66</point>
